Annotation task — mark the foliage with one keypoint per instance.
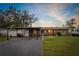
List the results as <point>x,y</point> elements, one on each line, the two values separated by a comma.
<point>16,18</point>
<point>71,24</point>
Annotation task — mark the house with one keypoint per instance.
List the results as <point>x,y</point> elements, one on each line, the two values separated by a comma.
<point>37,31</point>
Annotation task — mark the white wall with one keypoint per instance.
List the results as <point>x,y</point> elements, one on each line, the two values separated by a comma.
<point>14,32</point>
<point>26,32</point>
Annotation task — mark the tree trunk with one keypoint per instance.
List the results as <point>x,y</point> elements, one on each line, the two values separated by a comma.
<point>7,34</point>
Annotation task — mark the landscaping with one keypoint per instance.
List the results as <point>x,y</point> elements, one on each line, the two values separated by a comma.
<point>60,45</point>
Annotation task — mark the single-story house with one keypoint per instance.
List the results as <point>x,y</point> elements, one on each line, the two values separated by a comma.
<point>37,31</point>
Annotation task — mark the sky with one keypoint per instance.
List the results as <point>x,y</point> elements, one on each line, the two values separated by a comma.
<point>49,14</point>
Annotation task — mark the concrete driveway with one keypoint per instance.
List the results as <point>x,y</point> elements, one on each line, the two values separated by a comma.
<point>21,47</point>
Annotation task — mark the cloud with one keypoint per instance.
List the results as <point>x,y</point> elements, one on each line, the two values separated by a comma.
<point>43,23</point>
<point>56,10</point>
<point>53,11</point>
<point>77,11</point>
<point>48,24</point>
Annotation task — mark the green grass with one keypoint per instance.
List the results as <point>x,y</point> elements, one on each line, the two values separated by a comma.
<point>61,46</point>
<point>3,38</point>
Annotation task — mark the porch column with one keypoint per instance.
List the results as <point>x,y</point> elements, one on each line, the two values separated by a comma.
<point>7,34</point>
<point>40,32</point>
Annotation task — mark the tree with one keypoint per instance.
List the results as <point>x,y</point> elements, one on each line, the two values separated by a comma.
<point>16,18</point>
<point>2,19</point>
<point>71,24</point>
<point>28,19</point>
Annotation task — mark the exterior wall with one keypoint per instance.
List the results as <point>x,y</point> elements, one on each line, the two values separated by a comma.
<point>12,33</point>
<point>34,32</point>
<point>26,33</point>
<point>15,32</point>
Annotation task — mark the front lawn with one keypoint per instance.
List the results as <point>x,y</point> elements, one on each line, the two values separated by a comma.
<point>3,38</point>
<point>60,45</point>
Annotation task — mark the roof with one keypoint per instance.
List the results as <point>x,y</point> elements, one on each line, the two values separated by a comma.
<point>54,28</point>
<point>39,28</point>
<point>24,28</point>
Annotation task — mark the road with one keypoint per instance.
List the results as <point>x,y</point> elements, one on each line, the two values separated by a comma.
<point>21,47</point>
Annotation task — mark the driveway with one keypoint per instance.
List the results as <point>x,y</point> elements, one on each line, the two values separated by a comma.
<point>21,47</point>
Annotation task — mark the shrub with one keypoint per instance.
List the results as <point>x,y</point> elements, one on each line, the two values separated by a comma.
<point>58,33</point>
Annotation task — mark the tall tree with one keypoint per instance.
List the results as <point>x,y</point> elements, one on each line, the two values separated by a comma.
<point>16,18</point>
<point>2,19</point>
<point>71,24</point>
<point>28,18</point>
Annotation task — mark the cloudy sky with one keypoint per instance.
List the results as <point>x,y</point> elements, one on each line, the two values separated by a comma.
<point>49,15</point>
